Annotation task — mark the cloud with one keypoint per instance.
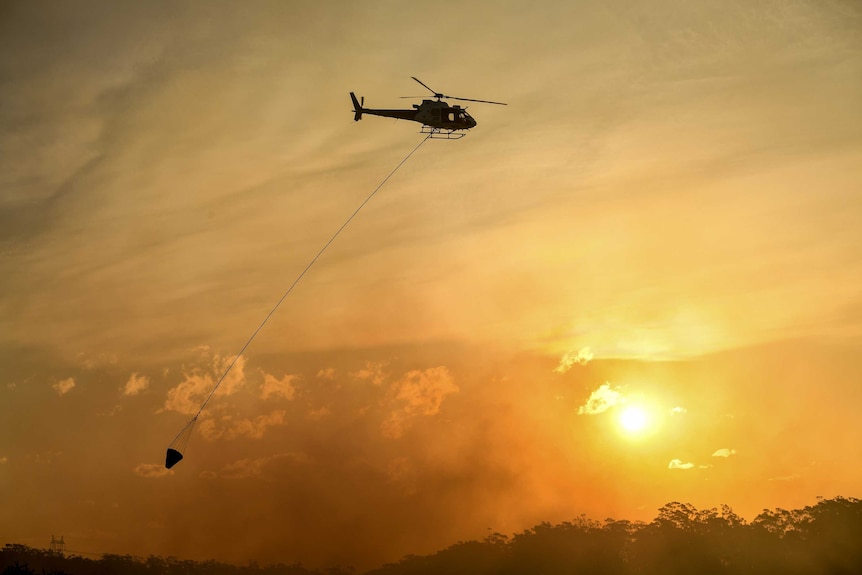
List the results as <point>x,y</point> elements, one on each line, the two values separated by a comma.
<point>273,386</point>
<point>64,387</point>
<point>261,468</point>
<point>115,409</point>
<point>417,393</point>
<point>601,400</point>
<point>582,357</point>
<point>228,427</point>
<point>678,411</point>
<point>188,396</point>
<point>783,478</point>
<point>136,384</point>
<point>678,464</point>
<point>724,452</point>
<point>93,362</point>
<point>318,414</point>
<point>234,380</point>
<point>150,470</point>
<point>328,373</point>
<point>373,372</point>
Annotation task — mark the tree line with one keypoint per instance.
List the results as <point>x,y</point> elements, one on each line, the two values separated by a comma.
<point>825,538</point>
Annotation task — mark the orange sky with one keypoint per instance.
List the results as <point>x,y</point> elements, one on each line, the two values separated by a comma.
<point>672,192</point>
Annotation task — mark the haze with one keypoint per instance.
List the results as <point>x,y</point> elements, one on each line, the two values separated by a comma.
<point>665,218</point>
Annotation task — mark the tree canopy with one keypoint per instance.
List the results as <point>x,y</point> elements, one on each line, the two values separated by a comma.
<point>822,538</point>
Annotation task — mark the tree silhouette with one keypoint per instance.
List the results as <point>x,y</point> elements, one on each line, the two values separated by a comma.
<point>825,538</point>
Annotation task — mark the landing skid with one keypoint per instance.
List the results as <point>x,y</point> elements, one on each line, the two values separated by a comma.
<point>441,133</point>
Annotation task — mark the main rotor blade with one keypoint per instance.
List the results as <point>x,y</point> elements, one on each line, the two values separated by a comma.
<point>472,100</point>
<point>426,85</point>
<point>440,95</point>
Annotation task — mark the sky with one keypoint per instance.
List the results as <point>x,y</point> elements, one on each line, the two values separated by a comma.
<point>637,283</point>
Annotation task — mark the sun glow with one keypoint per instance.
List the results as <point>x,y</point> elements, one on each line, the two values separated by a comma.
<point>634,419</point>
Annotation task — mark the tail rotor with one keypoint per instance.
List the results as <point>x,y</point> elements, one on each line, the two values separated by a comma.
<point>357,107</point>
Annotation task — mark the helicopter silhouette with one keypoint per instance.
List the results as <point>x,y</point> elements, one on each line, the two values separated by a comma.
<point>438,118</point>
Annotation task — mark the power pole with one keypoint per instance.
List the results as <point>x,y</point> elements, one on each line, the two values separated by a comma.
<point>58,545</point>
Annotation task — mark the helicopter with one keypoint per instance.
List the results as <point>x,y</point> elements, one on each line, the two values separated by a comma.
<point>438,118</point>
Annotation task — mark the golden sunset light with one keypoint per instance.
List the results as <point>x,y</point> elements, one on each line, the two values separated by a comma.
<point>634,419</point>
<point>624,303</point>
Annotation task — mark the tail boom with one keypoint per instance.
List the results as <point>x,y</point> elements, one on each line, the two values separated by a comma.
<point>358,110</point>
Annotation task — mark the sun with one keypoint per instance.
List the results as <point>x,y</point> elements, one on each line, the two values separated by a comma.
<point>634,420</point>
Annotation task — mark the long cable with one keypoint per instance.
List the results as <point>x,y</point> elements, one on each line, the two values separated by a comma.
<point>293,285</point>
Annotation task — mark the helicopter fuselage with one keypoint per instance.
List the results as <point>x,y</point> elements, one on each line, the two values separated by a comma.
<point>435,114</point>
